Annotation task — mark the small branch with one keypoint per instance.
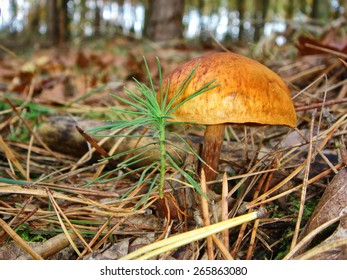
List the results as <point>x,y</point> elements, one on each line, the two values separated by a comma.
<point>225,211</point>
<point>304,186</point>
<point>206,216</point>
<point>97,147</point>
<point>321,104</point>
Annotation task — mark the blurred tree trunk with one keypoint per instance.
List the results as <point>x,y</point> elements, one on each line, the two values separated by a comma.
<point>83,15</point>
<point>64,22</point>
<point>52,22</point>
<point>57,22</point>
<point>320,10</point>
<point>14,8</point>
<point>241,6</point>
<point>260,14</point>
<point>202,26</point>
<point>303,6</point>
<point>289,8</point>
<point>97,19</point>
<point>165,19</point>
<point>34,19</point>
<point>315,9</point>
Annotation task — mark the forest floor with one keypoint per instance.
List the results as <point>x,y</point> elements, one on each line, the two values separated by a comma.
<point>54,205</point>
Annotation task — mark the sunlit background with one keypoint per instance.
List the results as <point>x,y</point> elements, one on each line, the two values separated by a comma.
<point>221,18</point>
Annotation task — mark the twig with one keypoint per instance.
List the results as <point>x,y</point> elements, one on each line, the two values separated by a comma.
<point>98,148</point>
<point>327,50</point>
<point>95,238</point>
<point>206,215</point>
<point>320,104</point>
<point>19,240</point>
<point>303,242</point>
<point>36,136</point>
<point>304,185</point>
<point>106,236</point>
<point>179,240</point>
<point>60,212</point>
<point>225,211</point>
<point>221,247</point>
<point>11,157</point>
<point>253,204</point>
<point>267,179</point>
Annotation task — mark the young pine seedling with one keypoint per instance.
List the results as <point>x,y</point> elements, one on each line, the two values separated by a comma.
<point>149,109</point>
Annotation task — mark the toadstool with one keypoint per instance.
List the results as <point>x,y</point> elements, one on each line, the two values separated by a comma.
<point>248,93</point>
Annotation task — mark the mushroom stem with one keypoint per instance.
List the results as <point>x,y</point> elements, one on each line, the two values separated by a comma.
<point>213,140</point>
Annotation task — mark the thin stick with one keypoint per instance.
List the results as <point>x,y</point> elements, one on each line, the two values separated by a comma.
<point>323,248</point>
<point>285,193</point>
<point>221,247</point>
<point>327,50</point>
<point>29,156</point>
<point>94,239</point>
<point>206,215</point>
<point>320,104</point>
<point>225,210</point>
<point>179,240</point>
<point>98,148</point>
<point>60,212</point>
<point>11,157</point>
<point>98,245</point>
<point>304,186</point>
<point>19,240</point>
<point>267,179</point>
<point>303,242</point>
<point>36,136</point>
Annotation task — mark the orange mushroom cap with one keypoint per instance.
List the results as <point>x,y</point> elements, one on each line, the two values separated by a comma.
<point>248,92</point>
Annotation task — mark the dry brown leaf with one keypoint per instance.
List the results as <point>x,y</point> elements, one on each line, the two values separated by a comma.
<point>114,252</point>
<point>328,41</point>
<point>333,201</point>
<point>334,247</point>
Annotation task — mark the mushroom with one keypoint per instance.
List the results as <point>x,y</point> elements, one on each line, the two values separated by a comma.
<point>248,93</point>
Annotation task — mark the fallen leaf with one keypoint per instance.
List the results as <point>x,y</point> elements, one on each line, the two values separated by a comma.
<point>330,40</point>
<point>334,247</point>
<point>333,201</point>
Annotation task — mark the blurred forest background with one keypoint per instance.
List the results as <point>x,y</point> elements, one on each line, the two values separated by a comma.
<point>63,61</point>
<point>230,21</point>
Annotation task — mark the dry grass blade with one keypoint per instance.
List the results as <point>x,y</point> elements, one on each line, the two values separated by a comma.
<point>59,212</point>
<point>34,134</point>
<point>298,187</point>
<point>258,201</point>
<point>19,240</point>
<point>265,180</point>
<point>11,157</point>
<point>107,235</point>
<point>179,240</point>
<point>94,239</point>
<point>13,189</point>
<point>28,163</point>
